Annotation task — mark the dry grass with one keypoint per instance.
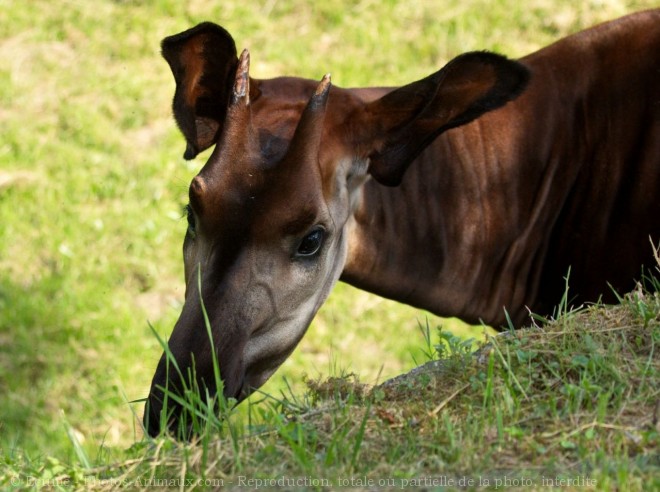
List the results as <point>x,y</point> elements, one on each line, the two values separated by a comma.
<point>577,399</point>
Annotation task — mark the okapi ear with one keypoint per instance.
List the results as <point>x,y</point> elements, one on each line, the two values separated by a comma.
<point>203,60</point>
<point>401,124</point>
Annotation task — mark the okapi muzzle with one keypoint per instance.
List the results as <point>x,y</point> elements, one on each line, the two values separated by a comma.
<point>271,215</point>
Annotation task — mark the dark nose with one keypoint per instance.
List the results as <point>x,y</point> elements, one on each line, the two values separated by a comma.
<point>151,418</point>
<point>164,413</point>
<point>154,419</point>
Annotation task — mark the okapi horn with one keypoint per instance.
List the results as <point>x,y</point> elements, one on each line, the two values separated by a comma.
<point>236,139</point>
<point>307,138</point>
<point>241,88</point>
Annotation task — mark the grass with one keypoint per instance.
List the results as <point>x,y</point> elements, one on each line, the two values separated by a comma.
<point>91,189</point>
<point>574,403</point>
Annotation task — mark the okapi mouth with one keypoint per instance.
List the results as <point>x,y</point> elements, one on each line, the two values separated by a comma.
<point>164,406</point>
<point>176,412</point>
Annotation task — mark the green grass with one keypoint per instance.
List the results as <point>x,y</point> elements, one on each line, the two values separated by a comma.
<point>91,190</point>
<point>571,404</point>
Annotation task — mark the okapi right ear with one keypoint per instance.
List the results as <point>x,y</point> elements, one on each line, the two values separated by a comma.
<point>397,127</point>
<point>203,60</point>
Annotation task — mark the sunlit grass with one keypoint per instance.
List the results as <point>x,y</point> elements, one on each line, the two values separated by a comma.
<point>92,184</point>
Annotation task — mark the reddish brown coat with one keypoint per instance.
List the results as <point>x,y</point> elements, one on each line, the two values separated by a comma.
<point>466,193</point>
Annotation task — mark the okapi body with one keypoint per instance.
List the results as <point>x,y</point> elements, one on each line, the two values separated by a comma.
<point>467,193</point>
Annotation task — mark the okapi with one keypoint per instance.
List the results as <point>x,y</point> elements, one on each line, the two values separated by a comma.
<point>467,193</point>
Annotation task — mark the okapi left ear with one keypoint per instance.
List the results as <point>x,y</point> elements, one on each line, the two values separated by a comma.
<point>394,130</point>
<point>203,60</point>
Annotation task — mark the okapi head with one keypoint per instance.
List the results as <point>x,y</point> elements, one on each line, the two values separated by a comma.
<point>270,213</point>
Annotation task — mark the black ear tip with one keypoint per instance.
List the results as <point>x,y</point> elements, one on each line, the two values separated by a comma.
<point>513,76</point>
<point>523,76</point>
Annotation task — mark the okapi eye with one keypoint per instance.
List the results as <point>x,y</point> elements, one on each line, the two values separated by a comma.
<point>312,242</point>
<point>191,220</point>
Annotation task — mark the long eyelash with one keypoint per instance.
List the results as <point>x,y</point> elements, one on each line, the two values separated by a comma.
<point>185,210</point>
<point>191,220</point>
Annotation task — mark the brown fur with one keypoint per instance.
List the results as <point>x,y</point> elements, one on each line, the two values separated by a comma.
<point>467,193</point>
